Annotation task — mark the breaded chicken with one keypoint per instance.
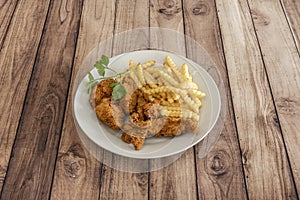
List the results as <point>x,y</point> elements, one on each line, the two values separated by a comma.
<point>134,135</point>
<point>189,125</point>
<point>110,113</point>
<point>137,142</point>
<point>152,110</point>
<point>129,101</point>
<point>101,91</point>
<point>175,126</point>
<point>139,121</point>
<point>156,126</point>
<point>145,119</point>
<point>171,127</point>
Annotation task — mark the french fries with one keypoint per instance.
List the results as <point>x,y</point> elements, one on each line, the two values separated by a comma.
<point>169,84</point>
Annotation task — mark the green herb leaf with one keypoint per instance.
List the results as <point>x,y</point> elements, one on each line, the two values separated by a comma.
<point>98,64</point>
<point>113,84</point>
<point>119,91</point>
<point>100,68</point>
<point>101,65</point>
<point>90,84</point>
<point>101,71</point>
<point>104,60</point>
<point>91,77</point>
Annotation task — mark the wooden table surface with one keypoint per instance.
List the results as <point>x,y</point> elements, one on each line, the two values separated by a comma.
<point>255,44</point>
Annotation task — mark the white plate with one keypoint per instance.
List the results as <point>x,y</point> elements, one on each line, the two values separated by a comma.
<point>110,140</point>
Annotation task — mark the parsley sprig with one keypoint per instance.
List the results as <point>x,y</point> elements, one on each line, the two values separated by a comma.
<point>119,90</point>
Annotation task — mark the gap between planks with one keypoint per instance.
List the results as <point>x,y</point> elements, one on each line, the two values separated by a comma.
<point>19,110</point>
<point>289,88</point>
<point>286,187</point>
<point>45,37</point>
<point>6,21</point>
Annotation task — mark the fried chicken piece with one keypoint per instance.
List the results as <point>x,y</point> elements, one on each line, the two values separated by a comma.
<point>110,113</point>
<point>139,121</point>
<point>152,110</point>
<point>189,125</point>
<point>171,127</point>
<point>137,142</point>
<point>141,101</point>
<point>129,102</point>
<point>101,91</point>
<point>156,126</point>
<point>144,112</point>
<point>129,84</point>
<point>175,126</point>
<point>134,135</point>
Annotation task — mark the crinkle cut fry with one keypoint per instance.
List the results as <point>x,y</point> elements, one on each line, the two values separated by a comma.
<point>185,73</point>
<point>131,64</point>
<point>167,79</point>
<point>169,71</point>
<point>149,63</point>
<point>175,69</point>
<point>158,89</point>
<point>149,78</point>
<point>179,112</point>
<point>194,98</point>
<point>185,98</point>
<point>135,78</point>
<point>164,76</point>
<point>140,74</point>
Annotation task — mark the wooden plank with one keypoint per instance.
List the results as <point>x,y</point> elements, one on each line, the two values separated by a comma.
<point>167,14</point>
<point>77,171</point>
<point>221,170</point>
<point>130,14</point>
<point>38,135</point>
<point>282,63</point>
<point>18,50</point>
<point>7,9</point>
<point>266,166</point>
<point>178,180</point>
<point>292,13</point>
<point>175,181</point>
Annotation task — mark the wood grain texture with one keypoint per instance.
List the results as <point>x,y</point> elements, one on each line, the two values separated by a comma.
<point>178,180</point>
<point>77,173</point>
<point>7,8</point>
<point>292,12</point>
<point>175,181</point>
<point>16,61</point>
<point>282,64</point>
<point>220,173</point>
<point>167,14</point>
<point>32,166</point>
<point>260,59</point>
<point>265,162</point>
<point>130,14</point>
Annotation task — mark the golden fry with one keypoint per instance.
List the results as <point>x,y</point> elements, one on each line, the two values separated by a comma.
<point>175,69</point>
<point>131,64</point>
<point>135,79</point>
<point>166,103</point>
<point>199,94</point>
<point>140,74</point>
<point>149,63</point>
<point>185,73</point>
<point>149,78</point>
